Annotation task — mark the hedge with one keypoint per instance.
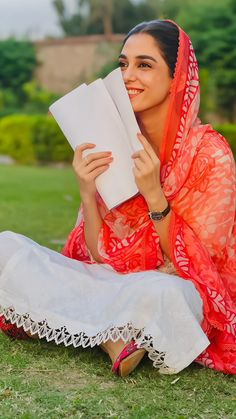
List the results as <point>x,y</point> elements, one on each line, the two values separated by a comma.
<point>33,139</point>
<point>16,138</point>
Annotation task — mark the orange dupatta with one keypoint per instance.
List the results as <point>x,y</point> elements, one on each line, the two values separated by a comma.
<point>198,178</point>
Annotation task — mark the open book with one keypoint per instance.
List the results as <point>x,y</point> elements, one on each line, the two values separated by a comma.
<point>101,113</point>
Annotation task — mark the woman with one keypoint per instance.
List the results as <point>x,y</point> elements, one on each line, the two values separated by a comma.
<point>174,243</point>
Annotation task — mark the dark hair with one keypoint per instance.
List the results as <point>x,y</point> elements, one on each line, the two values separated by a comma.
<point>166,35</point>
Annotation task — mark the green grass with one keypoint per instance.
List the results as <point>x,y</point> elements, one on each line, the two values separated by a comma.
<point>39,202</point>
<point>41,380</point>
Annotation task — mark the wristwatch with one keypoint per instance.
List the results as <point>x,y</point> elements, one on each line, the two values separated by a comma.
<point>158,216</point>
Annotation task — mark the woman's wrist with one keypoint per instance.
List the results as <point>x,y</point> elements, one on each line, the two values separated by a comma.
<point>157,201</point>
<point>88,200</point>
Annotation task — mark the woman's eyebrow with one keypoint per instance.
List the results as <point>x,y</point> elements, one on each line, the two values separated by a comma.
<point>142,57</point>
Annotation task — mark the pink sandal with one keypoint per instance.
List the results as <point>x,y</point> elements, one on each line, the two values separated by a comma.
<point>128,359</point>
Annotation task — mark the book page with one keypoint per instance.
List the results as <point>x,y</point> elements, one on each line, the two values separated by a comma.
<point>116,87</point>
<point>64,111</point>
<point>88,114</point>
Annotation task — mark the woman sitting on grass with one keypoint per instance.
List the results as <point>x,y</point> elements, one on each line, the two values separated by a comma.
<point>158,273</point>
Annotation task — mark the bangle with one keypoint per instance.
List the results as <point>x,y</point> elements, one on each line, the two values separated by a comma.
<point>158,216</point>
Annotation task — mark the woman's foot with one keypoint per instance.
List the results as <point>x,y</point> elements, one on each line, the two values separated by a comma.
<point>125,356</point>
<point>113,349</point>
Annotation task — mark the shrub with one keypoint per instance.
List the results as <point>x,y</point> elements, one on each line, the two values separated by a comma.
<point>9,102</point>
<point>37,100</point>
<point>49,142</point>
<point>33,138</point>
<point>229,132</point>
<point>16,138</point>
<point>32,100</point>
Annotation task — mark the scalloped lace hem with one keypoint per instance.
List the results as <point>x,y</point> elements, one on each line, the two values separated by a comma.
<point>61,335</point>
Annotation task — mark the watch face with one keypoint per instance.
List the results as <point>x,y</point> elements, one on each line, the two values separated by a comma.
<point>156,216</point>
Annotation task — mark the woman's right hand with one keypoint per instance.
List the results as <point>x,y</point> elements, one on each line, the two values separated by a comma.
<point>88,168</point>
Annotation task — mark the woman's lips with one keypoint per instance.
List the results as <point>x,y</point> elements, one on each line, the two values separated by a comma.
<point>134,92</point>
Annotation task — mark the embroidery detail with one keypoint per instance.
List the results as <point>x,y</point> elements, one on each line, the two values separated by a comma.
<point>127,332</point>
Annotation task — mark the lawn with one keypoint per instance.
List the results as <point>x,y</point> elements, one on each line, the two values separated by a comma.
<point>41,380</point>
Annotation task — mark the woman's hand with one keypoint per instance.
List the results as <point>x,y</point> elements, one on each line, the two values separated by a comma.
<point>88,168</point>
<point>147,172</point>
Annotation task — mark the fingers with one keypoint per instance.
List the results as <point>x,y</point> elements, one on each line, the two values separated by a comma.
<point>139,164</point>
<point>143,162</point>
<point>97,156</point>
<point>147,147</point>
<point>141,155</point>
<point>89,167</point>
<point>96,172</point>
<point>79,149</point>
<point>143,169</point>
<point>84,161</point>
<point>94,164</point>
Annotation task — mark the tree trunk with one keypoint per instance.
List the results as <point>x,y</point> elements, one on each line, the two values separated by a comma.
<point>107,17</point>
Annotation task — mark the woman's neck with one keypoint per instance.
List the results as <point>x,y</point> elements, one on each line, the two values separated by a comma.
<point>152,125</point>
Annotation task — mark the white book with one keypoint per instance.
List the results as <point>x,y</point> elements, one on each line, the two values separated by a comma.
<point>101,113</point>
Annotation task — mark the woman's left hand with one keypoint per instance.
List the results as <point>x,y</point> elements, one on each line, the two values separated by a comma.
<point>147,171</point>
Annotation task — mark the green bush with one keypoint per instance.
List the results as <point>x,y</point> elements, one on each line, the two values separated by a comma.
<point>32,100</point>
<point>49,142</point>
<point>37,100</point>
<point>229,132</point>
<point>16,138</point>
<point>9,102</point>
<point>33,138</point>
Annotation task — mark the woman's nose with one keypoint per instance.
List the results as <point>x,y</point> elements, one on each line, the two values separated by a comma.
<point>129,74</point>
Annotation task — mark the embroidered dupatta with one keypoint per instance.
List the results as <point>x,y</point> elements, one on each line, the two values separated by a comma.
<point>198,179</point>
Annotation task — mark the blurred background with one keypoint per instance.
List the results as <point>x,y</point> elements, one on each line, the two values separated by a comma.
<point>47,47</point>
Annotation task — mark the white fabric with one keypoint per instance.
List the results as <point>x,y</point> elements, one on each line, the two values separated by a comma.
<point>75,303</point>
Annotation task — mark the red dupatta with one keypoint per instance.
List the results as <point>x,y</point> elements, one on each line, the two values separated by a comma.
<point>198,178</point>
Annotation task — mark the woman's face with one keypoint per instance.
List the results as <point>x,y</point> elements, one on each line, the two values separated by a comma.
<point>145,73</point>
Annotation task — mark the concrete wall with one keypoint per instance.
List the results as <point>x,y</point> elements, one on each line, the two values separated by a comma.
<point>66,63</point>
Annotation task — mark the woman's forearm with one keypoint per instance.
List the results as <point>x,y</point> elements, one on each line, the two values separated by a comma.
<point>162,227</point>
<point>92,226</point>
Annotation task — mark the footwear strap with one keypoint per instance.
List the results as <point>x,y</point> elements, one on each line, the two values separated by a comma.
<point>127,350</point>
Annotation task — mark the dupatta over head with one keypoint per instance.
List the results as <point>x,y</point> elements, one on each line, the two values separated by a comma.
<point>198,179</point>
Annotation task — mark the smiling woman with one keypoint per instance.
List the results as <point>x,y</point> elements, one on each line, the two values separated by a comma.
<point>157,274</point>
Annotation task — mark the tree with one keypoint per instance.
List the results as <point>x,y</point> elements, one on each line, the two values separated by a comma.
<point>102,16</point>
<point>212,28</point>
<point>128,14</point>
<point>166,9</point>
<point>100,10</point>
<point>17,63</point>
<point>92,16</point>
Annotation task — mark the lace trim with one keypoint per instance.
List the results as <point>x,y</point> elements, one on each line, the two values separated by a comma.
<point>61,335</point>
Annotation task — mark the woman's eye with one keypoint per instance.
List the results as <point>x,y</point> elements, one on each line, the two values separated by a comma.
<point>145,65</point>
<point>122,64</point>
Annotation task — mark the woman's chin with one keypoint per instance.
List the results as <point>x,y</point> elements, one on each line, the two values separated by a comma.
<point>137,107</point>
